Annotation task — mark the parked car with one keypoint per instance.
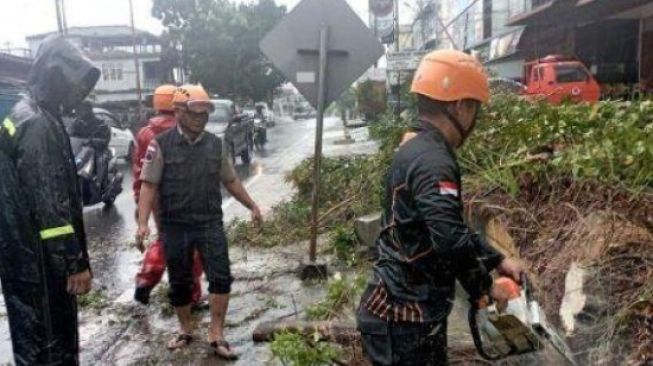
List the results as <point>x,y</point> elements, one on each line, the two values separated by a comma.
<point>122,140</point>
<point>268,113</point>
<point>235,129</point>
<point>304,113</point>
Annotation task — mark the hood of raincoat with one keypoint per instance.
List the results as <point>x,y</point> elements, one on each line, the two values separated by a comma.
<point>61,76</point>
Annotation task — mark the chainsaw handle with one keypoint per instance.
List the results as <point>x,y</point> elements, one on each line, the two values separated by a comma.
<point>476,335</point>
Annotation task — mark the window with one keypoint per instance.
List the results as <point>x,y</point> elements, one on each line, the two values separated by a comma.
<point>150,70</point>
<point>570,74</point>
<point>111,71</point>
<point>117,71</point>
<point>106,71</point>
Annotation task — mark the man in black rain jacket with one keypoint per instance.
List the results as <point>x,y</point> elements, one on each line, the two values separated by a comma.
<point>43,258</point>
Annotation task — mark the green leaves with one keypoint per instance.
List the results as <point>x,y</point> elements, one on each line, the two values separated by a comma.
<point>295,350</point>
<point>371,97</point>
<point>220,43</point>
<point>608,142</point>
<point>341,291</point>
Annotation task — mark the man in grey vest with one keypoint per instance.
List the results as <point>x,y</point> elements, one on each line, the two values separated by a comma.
<point>182,171</point>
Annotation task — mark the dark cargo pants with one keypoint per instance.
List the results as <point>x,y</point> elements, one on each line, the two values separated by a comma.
<point>402,343</point>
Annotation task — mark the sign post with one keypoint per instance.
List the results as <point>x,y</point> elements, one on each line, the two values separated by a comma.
<point>321,92</point>
<point>322,47</point>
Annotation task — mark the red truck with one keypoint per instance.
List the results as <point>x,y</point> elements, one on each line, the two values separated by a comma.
<point>558,78</point>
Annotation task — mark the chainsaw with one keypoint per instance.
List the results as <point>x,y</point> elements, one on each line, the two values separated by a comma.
<point>516,328</point>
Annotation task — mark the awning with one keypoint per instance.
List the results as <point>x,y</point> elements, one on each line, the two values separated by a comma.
<point>499,46</point>
<point>558,12</point>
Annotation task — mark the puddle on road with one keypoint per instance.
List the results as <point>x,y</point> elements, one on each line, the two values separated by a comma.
<point>266,288</point>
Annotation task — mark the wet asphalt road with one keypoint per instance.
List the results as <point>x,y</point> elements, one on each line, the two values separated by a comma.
<point>122,333</point>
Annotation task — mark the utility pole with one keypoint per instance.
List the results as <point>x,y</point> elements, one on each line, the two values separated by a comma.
<point>136,64</point>
<point>64,21</point>
<point>321,96</point>
<point>59,19</point>
<point>397,36</point>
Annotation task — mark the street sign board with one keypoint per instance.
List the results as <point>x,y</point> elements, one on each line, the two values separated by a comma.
<point>322,47</point>
<point>293,47</point>
<point>405,60</point>
<point>381,7</point>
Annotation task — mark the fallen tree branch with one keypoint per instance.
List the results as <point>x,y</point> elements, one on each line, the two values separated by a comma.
<point>338,332</point>
<point>329,331</point>
<point>335,208</point>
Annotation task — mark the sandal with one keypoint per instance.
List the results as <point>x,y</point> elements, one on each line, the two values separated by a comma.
<point>181,341</point>
<point>216,345</point>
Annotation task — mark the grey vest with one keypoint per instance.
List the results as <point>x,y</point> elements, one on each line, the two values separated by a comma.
<point>189,192</point>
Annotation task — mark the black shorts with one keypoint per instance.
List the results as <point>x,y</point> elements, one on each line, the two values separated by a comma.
<point>402,343</point>
<point>180,243</point>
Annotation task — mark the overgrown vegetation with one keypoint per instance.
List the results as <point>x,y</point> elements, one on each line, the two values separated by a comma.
<point>293,349</point>
<point>341,291</point>
<point>351,186</point>
<point>608,142</point>
<point>94,300</point>
<point>371,97</point>
<point>343,243</point>
<point>286,223</point>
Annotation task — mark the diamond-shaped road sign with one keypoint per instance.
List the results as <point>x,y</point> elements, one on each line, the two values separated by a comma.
<point>293,47</point>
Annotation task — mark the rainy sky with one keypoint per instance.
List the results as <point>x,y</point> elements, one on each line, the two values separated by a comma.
<point>20,18</point>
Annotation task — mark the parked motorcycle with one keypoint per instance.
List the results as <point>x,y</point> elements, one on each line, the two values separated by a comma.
<point>260,133</point>
<point>97,171</point>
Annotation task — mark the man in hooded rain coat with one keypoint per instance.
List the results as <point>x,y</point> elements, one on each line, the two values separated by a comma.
<point>43,258</point>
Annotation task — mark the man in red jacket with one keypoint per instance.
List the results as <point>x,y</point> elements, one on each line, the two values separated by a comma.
<point>154,263</point>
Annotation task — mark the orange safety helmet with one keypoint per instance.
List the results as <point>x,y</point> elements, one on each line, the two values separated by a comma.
<point>193,97</point>
<point>162,99</point>
<point>450,75</point>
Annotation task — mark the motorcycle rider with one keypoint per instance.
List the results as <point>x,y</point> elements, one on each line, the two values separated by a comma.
<point>87,126</point>
<point>154,264</point>
<point>45,262</point>
<point>425,245</point>
<point>263,130</point>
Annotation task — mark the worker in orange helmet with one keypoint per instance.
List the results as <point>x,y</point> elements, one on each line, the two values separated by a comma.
<point>425,244</point>
<point>154,264</point>
<point>182,172</point>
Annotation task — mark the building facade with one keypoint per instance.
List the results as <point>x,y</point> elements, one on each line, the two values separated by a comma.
<point>613,37</point>
<point>476,26</point>
<point>111,49</point>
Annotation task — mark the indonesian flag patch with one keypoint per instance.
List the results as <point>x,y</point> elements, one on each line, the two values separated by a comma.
<point>449,188</point>
<point>150,154</point>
